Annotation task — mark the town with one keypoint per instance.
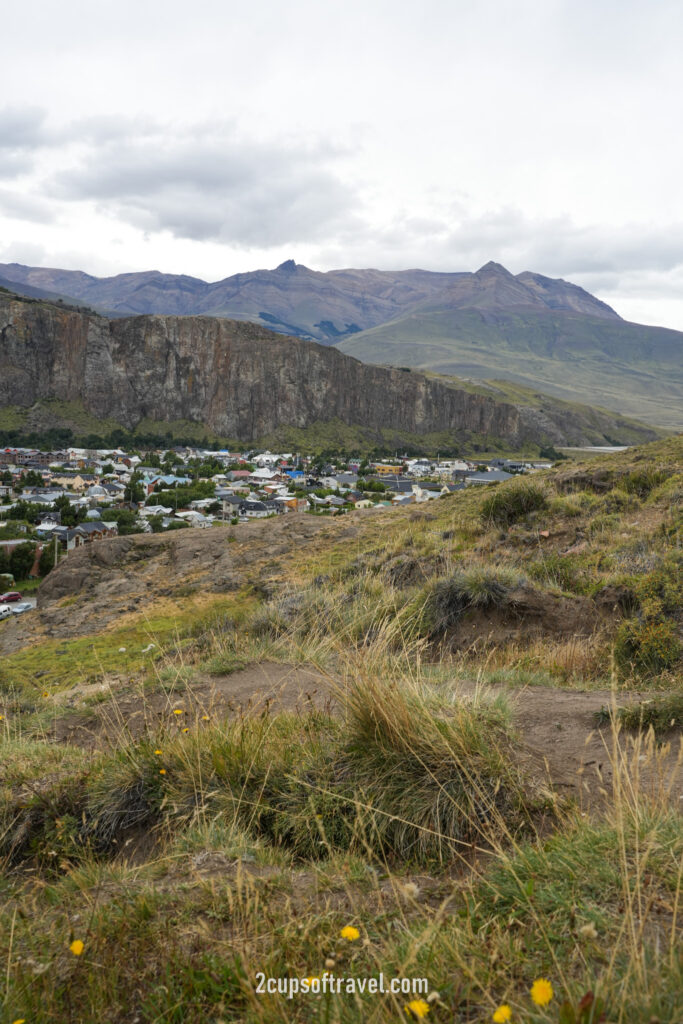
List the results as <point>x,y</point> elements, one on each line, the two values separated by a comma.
<point>55,501</point>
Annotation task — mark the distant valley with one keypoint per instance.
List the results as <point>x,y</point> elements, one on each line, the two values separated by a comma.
<point>528,329</point>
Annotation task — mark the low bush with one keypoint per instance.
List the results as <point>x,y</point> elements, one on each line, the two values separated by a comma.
<point>660,591</point>
<point>647,647</point>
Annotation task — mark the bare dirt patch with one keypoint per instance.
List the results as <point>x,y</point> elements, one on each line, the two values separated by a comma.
<point>259,689</point>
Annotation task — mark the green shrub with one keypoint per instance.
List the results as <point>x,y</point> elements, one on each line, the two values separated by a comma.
<point>647,647</point>
<point>512,501</point>
<point>661,590</point>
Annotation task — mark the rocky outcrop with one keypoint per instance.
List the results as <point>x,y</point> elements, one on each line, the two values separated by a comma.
<point>244,382</point>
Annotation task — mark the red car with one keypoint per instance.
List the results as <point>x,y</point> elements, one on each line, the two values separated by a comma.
<point>13,595</point>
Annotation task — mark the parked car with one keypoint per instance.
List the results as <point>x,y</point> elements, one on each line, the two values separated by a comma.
<point>19,609</point>
<point>5,611</point>
<point>12,595</point>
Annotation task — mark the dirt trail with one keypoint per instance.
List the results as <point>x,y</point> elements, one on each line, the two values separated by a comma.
<point>556,727</point>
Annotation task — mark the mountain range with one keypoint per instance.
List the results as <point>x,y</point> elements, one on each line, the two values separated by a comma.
<point>539,332</point>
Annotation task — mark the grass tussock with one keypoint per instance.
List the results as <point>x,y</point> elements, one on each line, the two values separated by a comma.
<point>405,774</point>
<point>480,588</point>
<point>512,501</point>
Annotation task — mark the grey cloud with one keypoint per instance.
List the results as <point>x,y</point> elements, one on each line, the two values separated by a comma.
<point>22,128</point>
<point>24,207</point>
<point>554,246</point>
<point>209,186</point>
<point>22,131</point>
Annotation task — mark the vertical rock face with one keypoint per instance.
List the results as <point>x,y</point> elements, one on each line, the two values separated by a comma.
<point>237,378</point>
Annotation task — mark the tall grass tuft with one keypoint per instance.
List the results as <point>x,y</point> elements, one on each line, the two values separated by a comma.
<point>512,501</point>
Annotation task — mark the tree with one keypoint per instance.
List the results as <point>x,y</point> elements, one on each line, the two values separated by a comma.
<point>21,560</point>
<point>69,516</point>
<point>31,479</point>
<point>135,491</point>
<point>26,511</point>
<point>125,518</point>
<point>47,559</point>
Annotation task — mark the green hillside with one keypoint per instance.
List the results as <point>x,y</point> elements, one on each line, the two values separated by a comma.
<point>627,367</point>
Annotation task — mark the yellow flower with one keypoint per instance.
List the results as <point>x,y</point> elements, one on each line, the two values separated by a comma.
<point>541,992</point>
<point>77,947</point>
<point>502,1014</point>
<point>45,693</point>
<point>22,1020</point>
<point>205,718</point>
<point>350,933</point>
<point>158,752</point>
<point>186,729</point>
<point>177,711</point>
<point>418,1008</point>
<point>2,718</point>
<point>162,771</point>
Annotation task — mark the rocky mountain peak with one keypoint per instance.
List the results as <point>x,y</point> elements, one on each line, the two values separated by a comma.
<point>493,268</point>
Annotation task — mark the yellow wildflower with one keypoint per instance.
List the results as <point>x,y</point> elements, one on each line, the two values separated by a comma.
<point>541,992</point>
<point>502,1015</point>
<point>162,771</point>
<point>77,947</point>
<point>205,718</point>
<point>186,729</point>
<point>418,1008</point>
<point>350,933</point>
<point>158,752</point>
<point>177,711</point>
<point>21,1021</point>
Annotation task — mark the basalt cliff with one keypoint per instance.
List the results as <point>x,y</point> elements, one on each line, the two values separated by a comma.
<point>244,382</point>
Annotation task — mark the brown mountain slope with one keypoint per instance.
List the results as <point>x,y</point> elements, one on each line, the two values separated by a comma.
<point>323,306</point>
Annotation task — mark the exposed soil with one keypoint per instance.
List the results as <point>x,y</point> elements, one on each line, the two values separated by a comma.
<point>124,713</point>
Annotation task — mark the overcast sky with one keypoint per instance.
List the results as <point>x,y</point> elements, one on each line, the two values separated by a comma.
<point>214,137</point>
